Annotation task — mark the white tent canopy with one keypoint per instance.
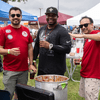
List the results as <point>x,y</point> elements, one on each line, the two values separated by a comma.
<point>94,13</point>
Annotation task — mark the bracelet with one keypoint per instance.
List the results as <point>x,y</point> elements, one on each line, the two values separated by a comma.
<point>34,60</point>
<point>8,51</point>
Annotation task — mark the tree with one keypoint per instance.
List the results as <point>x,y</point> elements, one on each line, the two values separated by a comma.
<point>14,0</point>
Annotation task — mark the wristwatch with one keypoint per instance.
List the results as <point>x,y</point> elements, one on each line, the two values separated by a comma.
<point>50,46</point>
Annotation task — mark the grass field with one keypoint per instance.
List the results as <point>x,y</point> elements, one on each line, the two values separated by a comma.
<point>73,87</point>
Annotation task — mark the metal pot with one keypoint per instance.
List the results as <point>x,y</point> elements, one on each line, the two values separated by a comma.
<point>54,83</point>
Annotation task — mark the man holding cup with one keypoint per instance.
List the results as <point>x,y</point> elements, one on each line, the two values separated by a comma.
<point>52,44</point>
<point>16,46</point>
<point>90,71</point>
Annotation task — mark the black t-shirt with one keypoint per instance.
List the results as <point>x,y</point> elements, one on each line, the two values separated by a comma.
<point>53,61</point>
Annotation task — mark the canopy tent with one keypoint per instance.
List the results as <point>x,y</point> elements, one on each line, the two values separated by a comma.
<point>1,22</point>
<point>8,22</point>
<point>94,13</point>
<point>61,19</point>
<point>4,13</point>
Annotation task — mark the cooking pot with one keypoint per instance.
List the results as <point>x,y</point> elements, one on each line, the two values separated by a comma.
<point>54,83</point>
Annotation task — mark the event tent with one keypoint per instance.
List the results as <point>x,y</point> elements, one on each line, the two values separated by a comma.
<point>61,19</point>
<point>1,22</point>
<point>94,13</point>
<point>8,22</point>
<point>4,13</point>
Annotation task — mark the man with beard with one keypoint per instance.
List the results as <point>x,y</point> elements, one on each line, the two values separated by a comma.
<point>15,45</point>
<point>52,44</point>
<point>90,71</point>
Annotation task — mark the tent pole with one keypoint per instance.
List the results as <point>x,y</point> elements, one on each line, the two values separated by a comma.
<point>58,5</point>
<point>38,24</point>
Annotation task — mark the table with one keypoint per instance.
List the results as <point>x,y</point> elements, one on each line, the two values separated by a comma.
<point>72,69</point>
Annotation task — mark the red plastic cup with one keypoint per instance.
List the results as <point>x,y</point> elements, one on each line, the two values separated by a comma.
<point>77,50</point>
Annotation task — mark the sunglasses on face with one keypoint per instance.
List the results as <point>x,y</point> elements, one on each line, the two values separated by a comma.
<point>85,25</point>
<point>13,15</point>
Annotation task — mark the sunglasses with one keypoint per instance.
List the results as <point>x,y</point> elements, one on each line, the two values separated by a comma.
<point>13,15</point>
<point>85,25</point>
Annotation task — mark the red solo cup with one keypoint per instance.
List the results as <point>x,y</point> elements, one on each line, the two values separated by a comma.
<point>77,50</point>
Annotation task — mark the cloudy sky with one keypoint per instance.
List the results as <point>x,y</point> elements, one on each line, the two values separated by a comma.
<point>70,7</point>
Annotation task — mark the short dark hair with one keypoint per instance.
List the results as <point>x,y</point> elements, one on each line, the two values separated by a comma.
<point>15,8</point>
<point>91,20</point>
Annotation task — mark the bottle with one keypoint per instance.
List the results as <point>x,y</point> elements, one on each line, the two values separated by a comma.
<point>32,74</point>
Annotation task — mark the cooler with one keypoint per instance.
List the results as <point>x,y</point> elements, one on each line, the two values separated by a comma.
<point>26,92</point>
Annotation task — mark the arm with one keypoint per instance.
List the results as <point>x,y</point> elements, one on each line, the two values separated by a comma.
<point>12,51</point>
<point>95,37</point>
<point>30,53</point>
<point>3,51</point>
<point>62,42</point>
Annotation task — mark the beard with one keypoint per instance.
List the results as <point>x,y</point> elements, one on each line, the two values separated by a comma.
<point>54,21</point>
<point>15,23</point>
<point>52,24</point>
<point>85,31</point>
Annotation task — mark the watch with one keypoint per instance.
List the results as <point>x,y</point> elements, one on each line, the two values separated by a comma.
<point>50,46</point>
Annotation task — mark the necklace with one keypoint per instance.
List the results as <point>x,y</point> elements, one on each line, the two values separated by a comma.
<point>50,31</point>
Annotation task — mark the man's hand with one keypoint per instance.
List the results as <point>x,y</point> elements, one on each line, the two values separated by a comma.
<point>77,61</point>
<point>44,44</point>
<point>14,51</point>
<point>31,67</point>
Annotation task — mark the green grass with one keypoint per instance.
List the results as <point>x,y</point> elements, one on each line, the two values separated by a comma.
<point>73,87</point>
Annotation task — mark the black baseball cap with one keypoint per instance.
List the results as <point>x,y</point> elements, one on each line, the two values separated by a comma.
<point>52,10</point>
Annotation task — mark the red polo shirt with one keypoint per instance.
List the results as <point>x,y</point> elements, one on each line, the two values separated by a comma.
<point>91,58</point>
<point>12,38</point>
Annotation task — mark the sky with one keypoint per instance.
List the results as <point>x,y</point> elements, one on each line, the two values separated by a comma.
<point>69,7</point>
